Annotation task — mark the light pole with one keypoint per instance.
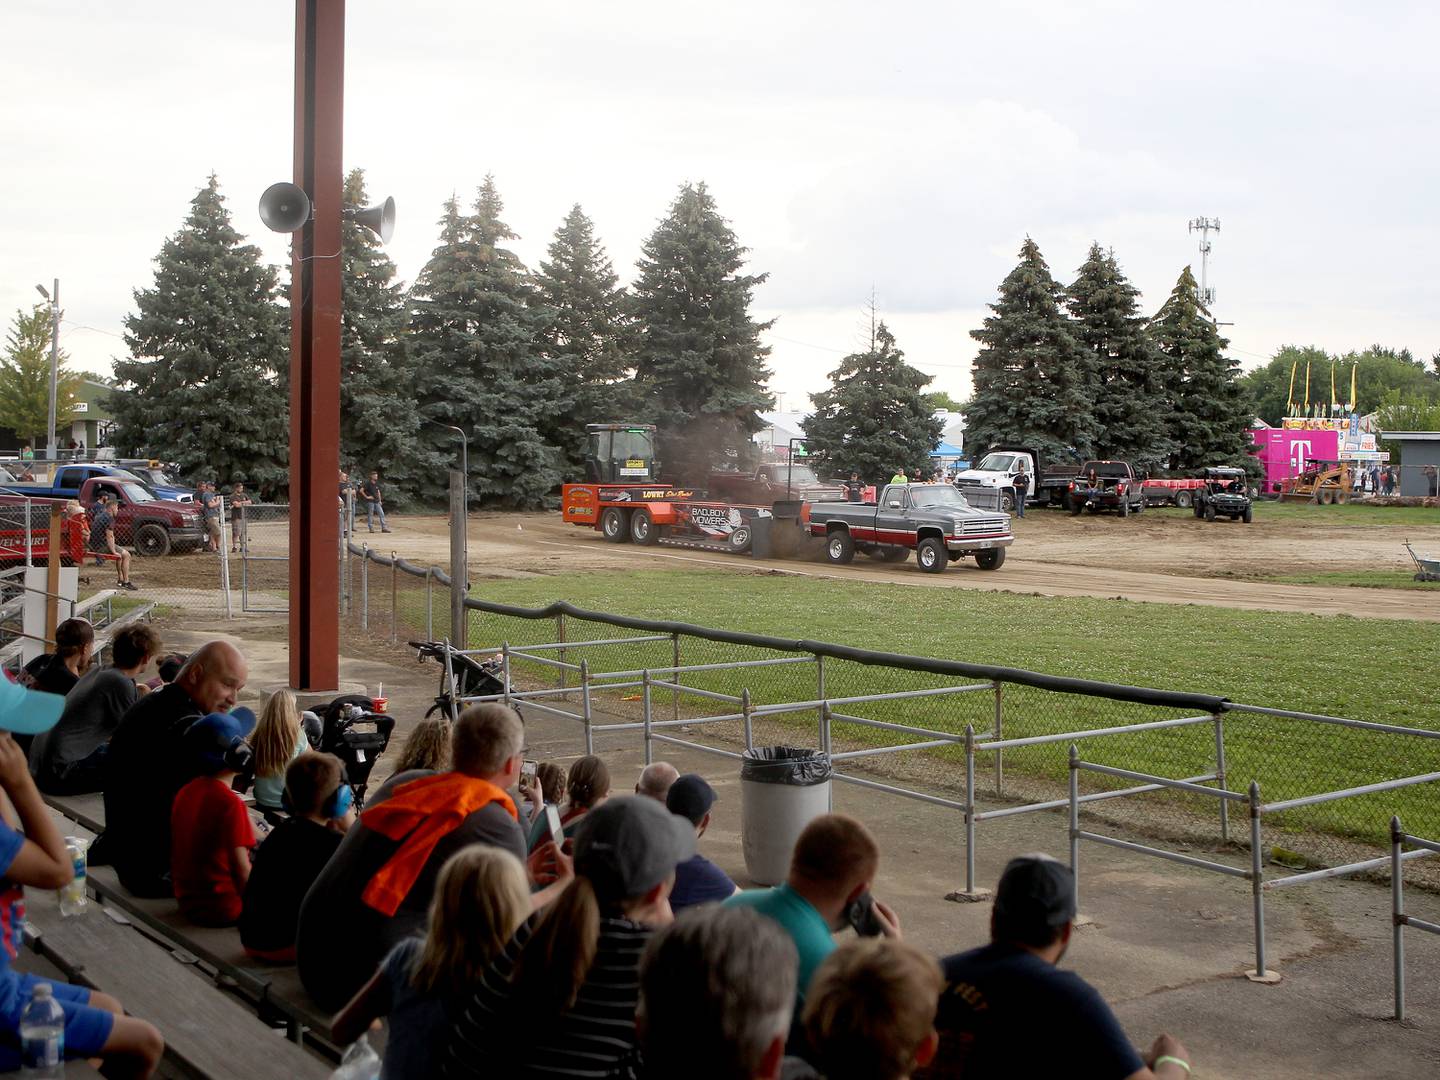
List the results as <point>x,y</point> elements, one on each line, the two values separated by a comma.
<point>464,457</point>
<point>54,361</point>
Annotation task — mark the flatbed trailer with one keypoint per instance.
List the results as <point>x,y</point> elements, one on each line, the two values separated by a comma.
<point>669,514</point>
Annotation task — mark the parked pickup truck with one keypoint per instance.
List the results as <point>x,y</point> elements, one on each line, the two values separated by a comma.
<point>1107,485</point>
<point>151,526</point>
<point>932,520</point>
<point>770,484</point>
<point>992,481</point>
<point>66,481</point>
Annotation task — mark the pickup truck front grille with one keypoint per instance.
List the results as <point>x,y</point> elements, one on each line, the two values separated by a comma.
<point>982,525</point>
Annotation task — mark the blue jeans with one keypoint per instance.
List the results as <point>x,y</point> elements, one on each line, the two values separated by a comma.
<point>372,509</point>
<point>1018,494</point>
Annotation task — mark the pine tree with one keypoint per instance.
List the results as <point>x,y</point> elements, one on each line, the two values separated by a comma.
<point>1029,375</point>
<point>203,386</point>
<point>378,420</point>
<point>25,378</point>
<point>479,361</point>
<point>585,336</point>
<point>699,363</point>
<point>1211,414</point>
<point>876,417</point>
<point>1124,368</point>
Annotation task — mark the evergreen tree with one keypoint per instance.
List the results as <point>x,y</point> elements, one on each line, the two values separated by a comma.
<point>25,378</point>
<point>1124,368</point>
<point>203,386</point>
<point>1030,373</point>
<point>479,361</point>
<point>699,363</point>
<point>876,417</point>
<point>585,335</point>
<point>378,420</point>
<point>1211,414</point>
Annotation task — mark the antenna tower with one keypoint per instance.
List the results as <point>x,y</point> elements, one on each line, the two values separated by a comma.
<point>1204,225</point>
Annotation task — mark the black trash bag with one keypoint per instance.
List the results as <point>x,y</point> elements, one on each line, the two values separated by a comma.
<point>786,765</point>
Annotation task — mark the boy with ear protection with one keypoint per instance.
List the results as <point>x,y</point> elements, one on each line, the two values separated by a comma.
<point>321,809</point>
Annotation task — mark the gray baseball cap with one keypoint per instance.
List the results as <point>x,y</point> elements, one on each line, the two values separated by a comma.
<point>629,844</point>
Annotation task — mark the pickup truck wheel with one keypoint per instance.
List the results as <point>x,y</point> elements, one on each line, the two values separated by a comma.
<point>990,560</point>
<point>839,548</point>
<point>1210,513</point>
<point>931,555</point>
<point>1007,503</point>
<point>1184,499</point>
<point>1140,506</point>
<point>1248,516</point>
<point>1076,505</point>
<point>642,528</point>
<point>614,527</point>
<point>152,541</point>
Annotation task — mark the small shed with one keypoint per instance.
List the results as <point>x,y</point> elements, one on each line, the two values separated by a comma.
<point>1419,460</point>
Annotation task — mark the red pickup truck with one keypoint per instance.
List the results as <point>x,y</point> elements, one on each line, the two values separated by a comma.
<point>151,526</point>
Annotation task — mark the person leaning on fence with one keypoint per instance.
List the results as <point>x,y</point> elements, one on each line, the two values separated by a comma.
<point>378,887</point>
<point>239,523</point>
<point>33,853</point>
<point>1009,998</point>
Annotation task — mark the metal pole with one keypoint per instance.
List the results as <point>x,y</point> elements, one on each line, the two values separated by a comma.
<point>970,809</point>
<point>54,365</point>
<point>745,718</point>
<point>561,674</point>
<point>225,566</point>
<point>645,711</point>
<point>675,676</point>
<point>29,535</point>
<point>1397,915</point>
<point>429,604</point>
<point>505,671</point>
<point>1220,776</point>
<point>394,599</point>
<point>1075,820</point>
<point>450,688</point>
<point>459,560</point>
<point>1257,880</point>
<point>825,748</point>
<point>365,587</point>
<point>585,705</point>
<point>999,754</point>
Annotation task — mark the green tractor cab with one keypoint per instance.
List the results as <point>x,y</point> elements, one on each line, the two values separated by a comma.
<point>1226,494</point>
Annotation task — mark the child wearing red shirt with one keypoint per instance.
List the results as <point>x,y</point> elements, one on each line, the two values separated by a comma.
<point>211,834</point>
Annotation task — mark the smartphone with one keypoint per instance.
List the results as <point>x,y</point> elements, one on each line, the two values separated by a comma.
<point>528,767</point>
<point>861,916</point>
<point>552,823</point>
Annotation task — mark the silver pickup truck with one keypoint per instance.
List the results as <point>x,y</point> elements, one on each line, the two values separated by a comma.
<point>933,520</point>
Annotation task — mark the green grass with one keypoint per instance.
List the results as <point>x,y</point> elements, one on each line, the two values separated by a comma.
<point>1360,579</point>
<point>1350,513</point>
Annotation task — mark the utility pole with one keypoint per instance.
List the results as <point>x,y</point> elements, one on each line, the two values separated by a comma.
<point>54,298</point>
<point>1204,225</point>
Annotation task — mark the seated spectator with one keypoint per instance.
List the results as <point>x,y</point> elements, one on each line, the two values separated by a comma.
<point>32,852</point>
<point>834,862</point>
<point>322,808</point>
<point>481,897</point>
<point>210,830</point>
<point>870,1012</point>
<point>716,990</point>
<point>561,999</point>
<point>57,672</point>
<point>426,747</point>
<point>147,765</point>
<point>69,759</point>
<point>377,889</point>
<point>587,785</point>
<point>548,790</point>
<point>655,780</point>
<point>166,670</point>
<point>697,879</point>
<point>102,540</point>
<point>995,995</point>
<point>278,740</point>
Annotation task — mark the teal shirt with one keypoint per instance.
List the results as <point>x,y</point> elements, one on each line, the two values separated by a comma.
<point>798,918</point>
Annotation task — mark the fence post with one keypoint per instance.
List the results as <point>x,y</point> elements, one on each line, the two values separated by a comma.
<point>505,672</point>
<point>29,535</point>
<point>1075,820</point>
<point>675,676</point>
<point>365,588</point>
<point>1220,775</point>
<point>429,604</point>
<point>225,559</point>
<point>394,598</point>
<point>561,673</point>
<point>645,710</point>
<point>970,809</point>
<point>819,677</point>
<point>1397,914</point>
<point>585,705</point>
<point>999,754</point>
<point>1257,889</point>
<point>825,748</point>
<point>451,690</point>
<point>745,718</point>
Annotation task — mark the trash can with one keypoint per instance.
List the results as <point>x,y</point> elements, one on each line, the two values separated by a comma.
<point>761,544</point>
<point>782,789</point>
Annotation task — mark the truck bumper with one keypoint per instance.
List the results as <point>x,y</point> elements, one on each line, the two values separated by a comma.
<point>966,544</point>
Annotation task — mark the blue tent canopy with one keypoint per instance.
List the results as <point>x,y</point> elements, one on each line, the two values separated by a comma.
<point>945,449</point>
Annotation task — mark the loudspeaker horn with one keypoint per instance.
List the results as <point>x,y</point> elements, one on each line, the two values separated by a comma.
<point>379,219</point>
<point>284,207</point>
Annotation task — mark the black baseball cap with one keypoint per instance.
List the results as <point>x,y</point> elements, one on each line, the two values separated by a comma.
<point>629,844</point>
<point>1036,890</point>
<point>690,797</point>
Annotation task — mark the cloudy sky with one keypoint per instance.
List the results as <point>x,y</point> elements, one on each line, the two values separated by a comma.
<point>906,148</point>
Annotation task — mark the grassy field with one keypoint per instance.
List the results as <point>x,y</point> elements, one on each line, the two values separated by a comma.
<point>1350,513</point>
<point>1359,579</point>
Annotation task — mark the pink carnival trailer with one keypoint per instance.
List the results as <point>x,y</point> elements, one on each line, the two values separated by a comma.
<point>1284,451</point>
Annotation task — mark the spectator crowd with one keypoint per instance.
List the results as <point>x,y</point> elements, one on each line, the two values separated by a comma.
<point>504,916</point>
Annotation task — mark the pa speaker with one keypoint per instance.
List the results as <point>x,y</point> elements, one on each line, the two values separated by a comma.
<point>284,207</point>
<point>379,219</point>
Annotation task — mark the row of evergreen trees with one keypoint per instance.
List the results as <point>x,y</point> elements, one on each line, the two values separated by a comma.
<point>520,360</point>
<point>1079,371</point>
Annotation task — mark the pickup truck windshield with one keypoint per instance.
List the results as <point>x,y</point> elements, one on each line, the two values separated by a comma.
<point>997,463</point>
<point>136,493</point>
<point>154,476</point>
<point>798,474</point>
<point>1112,469</point>
<point>936,495</point>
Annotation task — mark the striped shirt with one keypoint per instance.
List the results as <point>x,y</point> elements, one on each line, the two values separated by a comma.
<point>591,1039</point>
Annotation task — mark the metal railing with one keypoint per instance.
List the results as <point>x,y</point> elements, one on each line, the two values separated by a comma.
<point>1398,917</point>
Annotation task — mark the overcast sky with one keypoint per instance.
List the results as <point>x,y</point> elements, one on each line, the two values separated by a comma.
<point>907,147</point>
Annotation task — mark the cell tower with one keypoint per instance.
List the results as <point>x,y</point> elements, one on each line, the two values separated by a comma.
<point>1203,225</point>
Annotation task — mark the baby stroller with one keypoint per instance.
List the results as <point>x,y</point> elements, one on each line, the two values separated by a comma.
<point>353,732</point>
<point>474,678</point>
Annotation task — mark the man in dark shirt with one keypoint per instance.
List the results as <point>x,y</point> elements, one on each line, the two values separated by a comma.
<point>69,758</point>
<point>1007,1009</point>
<point>58,672</point>
<point>147,764</point>
<point>697,879</point>
<point>102,540</point>
<point>1021,490</point>
<point>374,497</point>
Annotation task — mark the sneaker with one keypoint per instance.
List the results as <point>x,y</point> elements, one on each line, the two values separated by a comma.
<point>129,585</point>
<point>384,530</point>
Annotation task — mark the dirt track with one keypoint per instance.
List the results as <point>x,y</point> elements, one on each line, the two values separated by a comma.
<point>1167,558</point>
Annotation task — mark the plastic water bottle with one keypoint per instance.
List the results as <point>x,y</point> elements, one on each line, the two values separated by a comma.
<point>359,1063</point>
<point>73,900</point>
<point>42,1035</point>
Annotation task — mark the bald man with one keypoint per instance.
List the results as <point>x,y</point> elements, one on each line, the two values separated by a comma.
<point>655,780</point>
<point>146,766</point>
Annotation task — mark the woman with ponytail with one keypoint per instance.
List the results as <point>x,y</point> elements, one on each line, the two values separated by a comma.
<point>561,999</point>
<point>586,787</point>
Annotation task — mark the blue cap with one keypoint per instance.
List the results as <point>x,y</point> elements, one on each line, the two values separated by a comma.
<point>690,797</point>
<point>209,737</point>
<point>25,711</point>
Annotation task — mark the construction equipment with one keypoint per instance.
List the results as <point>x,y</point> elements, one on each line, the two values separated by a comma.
<point>1320,482</point>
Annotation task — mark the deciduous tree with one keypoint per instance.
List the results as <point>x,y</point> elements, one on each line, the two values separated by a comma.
<point>25,378</point>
